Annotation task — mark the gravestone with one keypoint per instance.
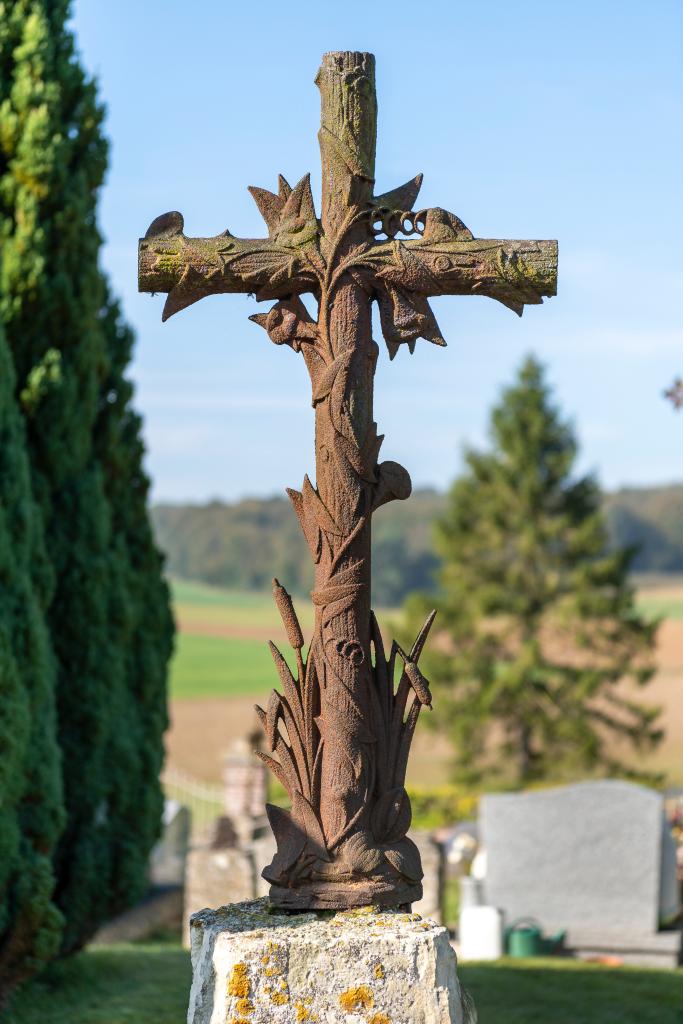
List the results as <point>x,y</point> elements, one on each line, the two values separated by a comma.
<point>431,853</point>
<point>245,788</point>
<point>587,858</point>
<point>217,871</point>
<point>167,860</point>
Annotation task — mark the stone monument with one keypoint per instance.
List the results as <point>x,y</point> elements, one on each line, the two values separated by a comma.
<point>594,859</point>
<point>339,734</point>
<point>245,788</point>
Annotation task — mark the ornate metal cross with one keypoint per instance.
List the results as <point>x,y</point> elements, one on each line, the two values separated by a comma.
<point>342,728</point>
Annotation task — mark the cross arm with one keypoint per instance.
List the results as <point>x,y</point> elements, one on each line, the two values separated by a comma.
<point>446,259</point>
<point>515,272</point>
<point>285,263</point>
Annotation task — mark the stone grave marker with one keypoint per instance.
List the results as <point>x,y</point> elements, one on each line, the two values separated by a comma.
<point>588,858</point>
<point>167,860</point>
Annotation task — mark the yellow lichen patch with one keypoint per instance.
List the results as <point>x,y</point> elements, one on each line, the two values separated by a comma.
<point>378,971</point>
<point>238,982</point>
<point>379,1018</point>
<point>358,998</point>
<point>265,959</point>
<point>303,1012</point>
<point>238,1020</point>
<point>279,998</point>
<point>272,972</point>
<point>244,1007</point>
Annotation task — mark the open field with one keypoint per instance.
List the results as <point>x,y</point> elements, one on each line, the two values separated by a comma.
<point>149,984</point>
<point>222,666</point>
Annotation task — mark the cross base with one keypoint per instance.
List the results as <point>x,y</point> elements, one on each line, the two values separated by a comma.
<point>323,895</point>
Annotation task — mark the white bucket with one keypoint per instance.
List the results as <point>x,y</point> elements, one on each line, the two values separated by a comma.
<point>481,933</point>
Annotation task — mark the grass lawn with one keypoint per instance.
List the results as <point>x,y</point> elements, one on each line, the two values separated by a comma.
<point>569,992</point>
<point>149,984</point>
<point>221,646</point>
<point>662,598</point>
<point>661,606</point>
<point>217,666</point>
<point>213,606</point>
<point>128,984</point>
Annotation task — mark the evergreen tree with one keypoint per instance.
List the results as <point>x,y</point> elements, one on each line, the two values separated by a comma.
<point>31,810</point>
<point>141,611</point>
<point>540,629</point>
<point>62,330</point>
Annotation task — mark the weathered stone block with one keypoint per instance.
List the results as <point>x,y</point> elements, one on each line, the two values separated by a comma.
<point>214,875</point>
<point>255,965</point>
<point>431,855</point>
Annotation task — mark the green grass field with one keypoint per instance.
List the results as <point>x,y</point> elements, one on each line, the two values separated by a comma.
<point>221,647</point>
<point>206,665</point>
<point>214,666</point>
<point>200,603</point>
<point>149,984</point>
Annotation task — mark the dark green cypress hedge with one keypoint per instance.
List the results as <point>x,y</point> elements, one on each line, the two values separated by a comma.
<point>31,809</point>
<point>85,453</point>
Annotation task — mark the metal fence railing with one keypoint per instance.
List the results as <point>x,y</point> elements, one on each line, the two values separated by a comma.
<point>204,800</point>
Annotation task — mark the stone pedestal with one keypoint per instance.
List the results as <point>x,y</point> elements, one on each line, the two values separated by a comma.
<point>211,875</point>
<point>254,965</point>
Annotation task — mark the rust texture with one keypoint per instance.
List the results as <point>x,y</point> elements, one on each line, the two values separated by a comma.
<point>339,733</point>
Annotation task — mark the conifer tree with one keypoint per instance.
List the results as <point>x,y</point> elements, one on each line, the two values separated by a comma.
<point>31,809</point>
<point>540,631</point>
<point>85,455</point>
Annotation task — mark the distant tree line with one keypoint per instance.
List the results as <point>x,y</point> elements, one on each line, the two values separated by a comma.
<point>85,623</point>
<point>245,543</point>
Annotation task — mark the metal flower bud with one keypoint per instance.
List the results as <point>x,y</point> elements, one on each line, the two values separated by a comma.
<point>288,616</point>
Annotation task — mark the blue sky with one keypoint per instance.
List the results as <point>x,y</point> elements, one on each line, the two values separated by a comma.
<point>528,120</point>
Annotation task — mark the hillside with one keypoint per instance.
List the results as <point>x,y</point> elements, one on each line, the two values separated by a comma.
<point>244,544</point>
<point>652,518</point>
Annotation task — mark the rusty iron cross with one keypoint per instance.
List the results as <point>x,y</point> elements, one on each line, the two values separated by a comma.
<point>341,730</point>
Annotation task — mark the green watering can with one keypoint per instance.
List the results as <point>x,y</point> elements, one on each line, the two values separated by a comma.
<point>524,939</point>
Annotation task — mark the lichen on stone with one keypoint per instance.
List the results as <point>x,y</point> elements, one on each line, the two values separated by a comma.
<point>238,982</point>
<point>358,998</point>
<point>378,971</point>
<point>379,1018</point>
<point>303,1011</point>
